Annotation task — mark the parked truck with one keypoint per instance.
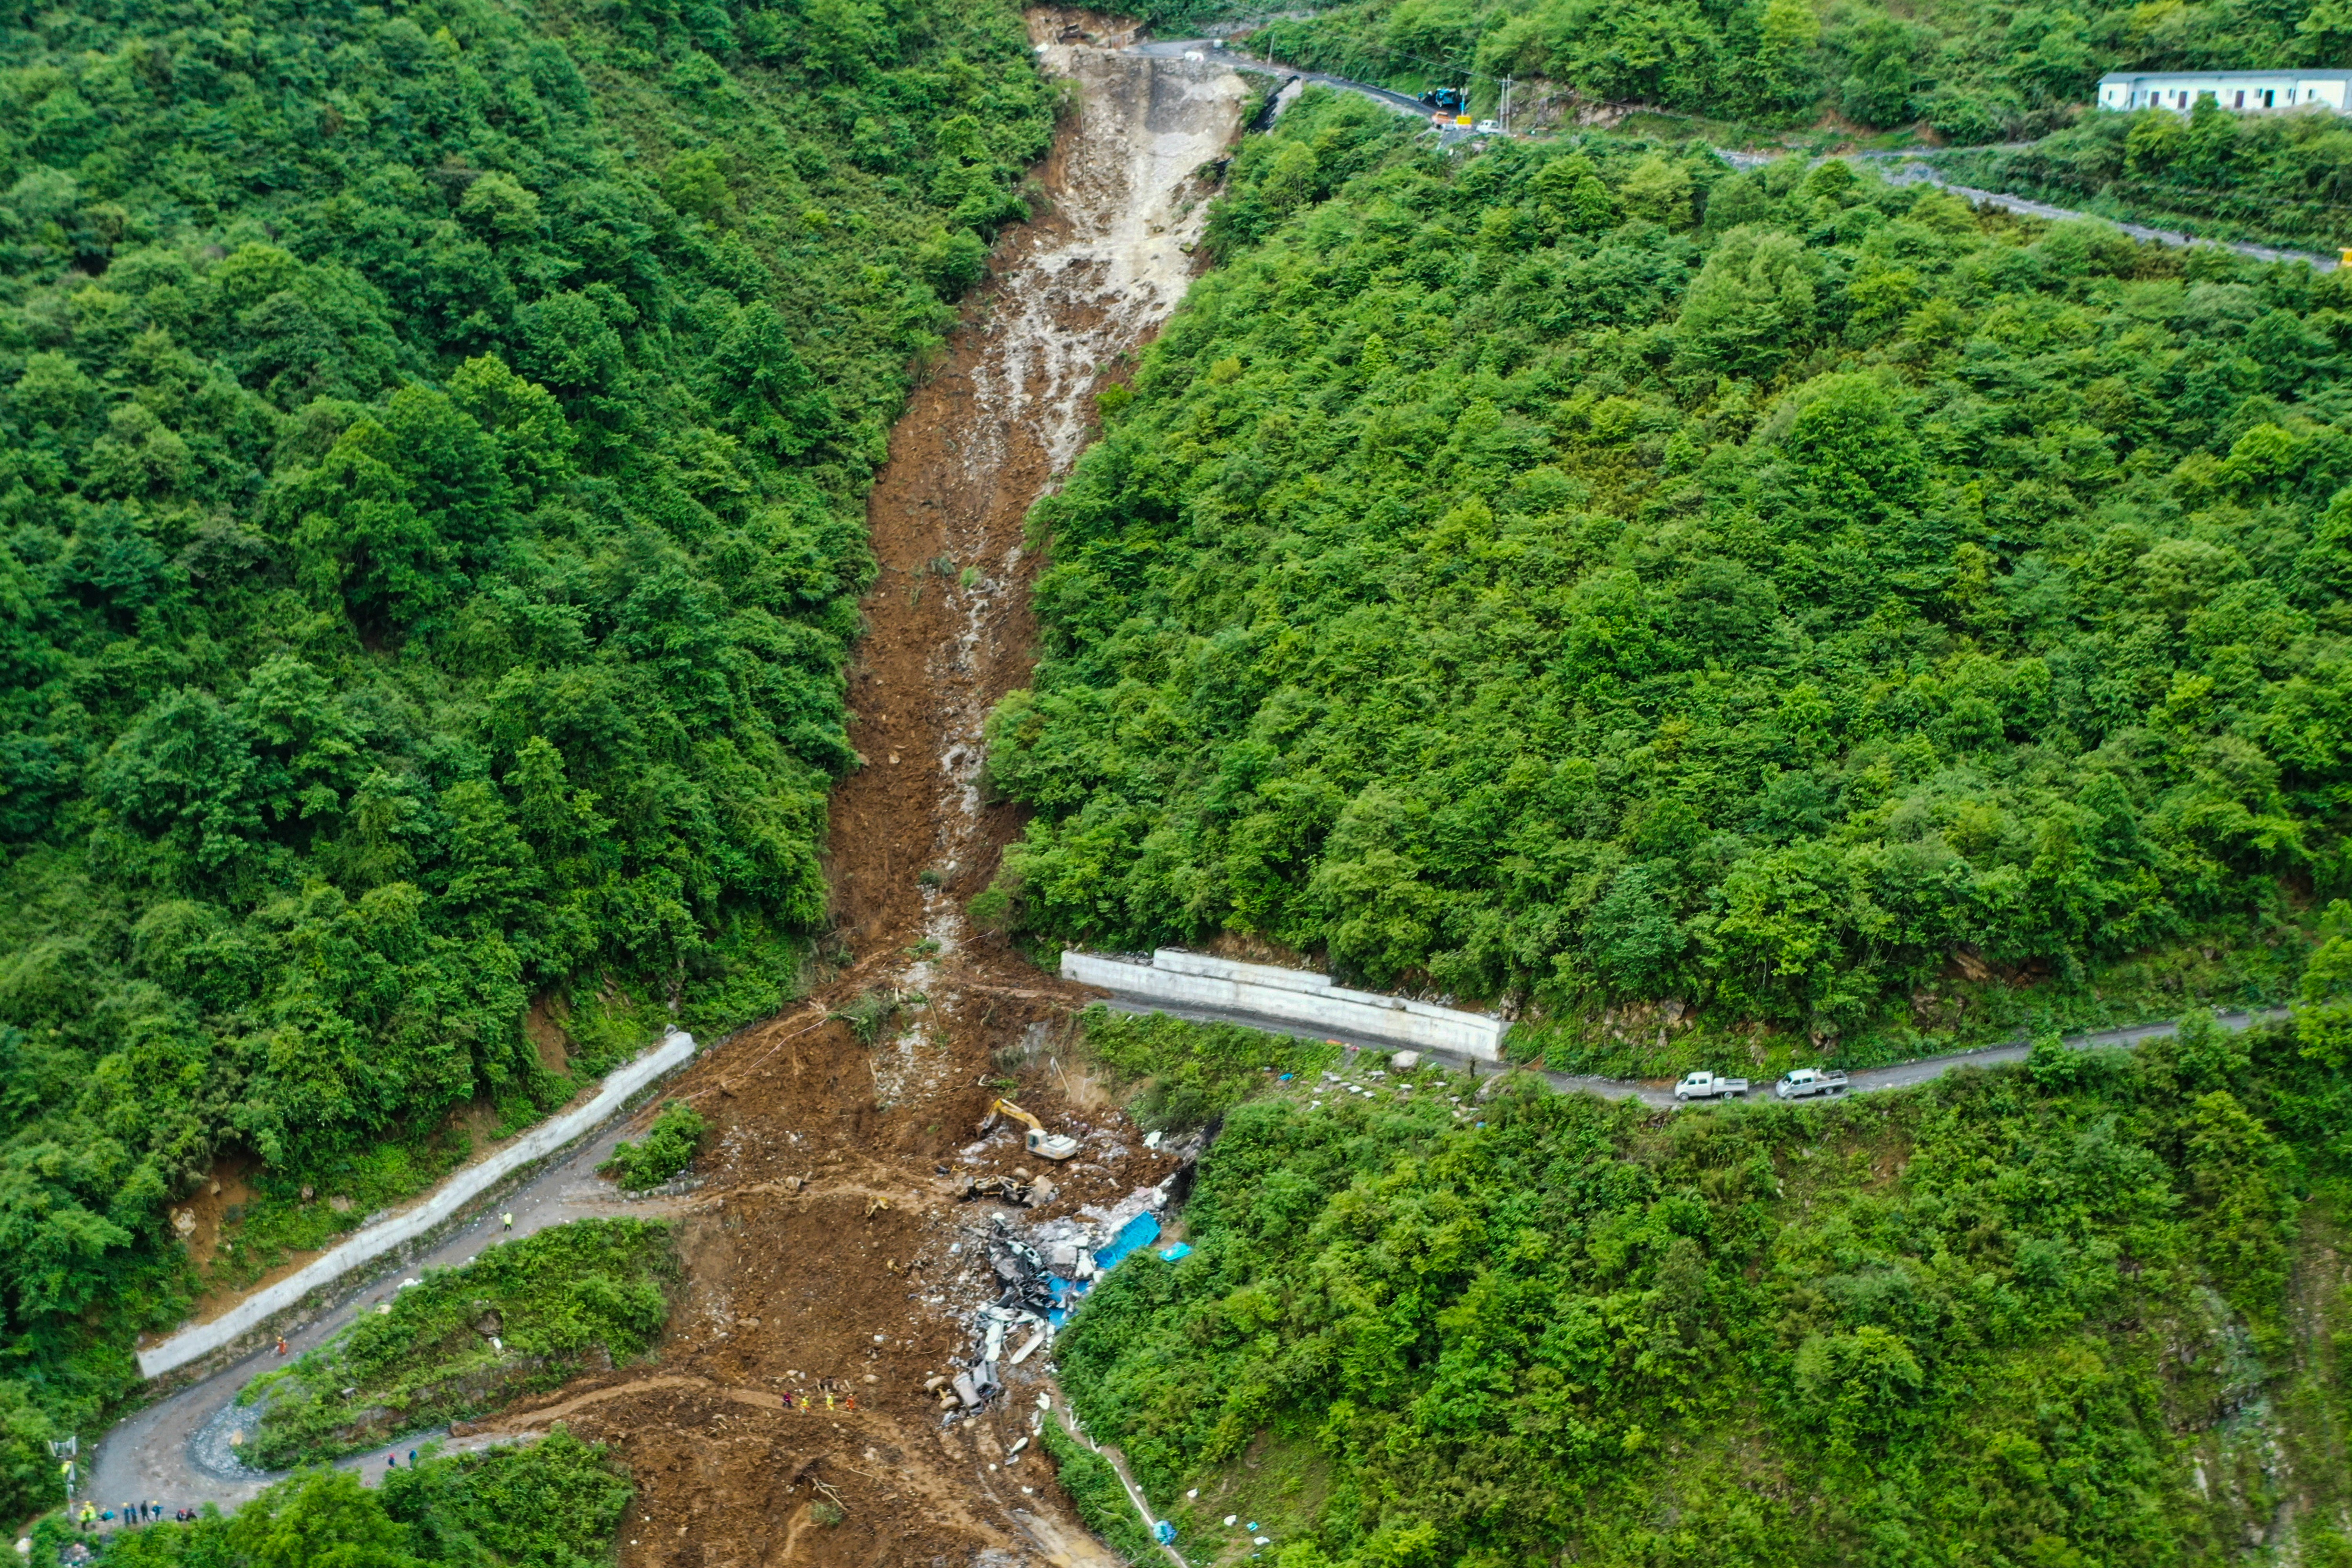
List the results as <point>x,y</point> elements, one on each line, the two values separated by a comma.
<point>1707,1085</point>
<point>1804,1083</point>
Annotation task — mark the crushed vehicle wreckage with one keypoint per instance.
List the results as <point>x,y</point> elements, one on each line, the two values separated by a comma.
<point>1043,1269</point>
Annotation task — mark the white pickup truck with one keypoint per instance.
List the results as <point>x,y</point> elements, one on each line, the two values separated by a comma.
<point>1706,1086</point>
<point>1803,1083</point>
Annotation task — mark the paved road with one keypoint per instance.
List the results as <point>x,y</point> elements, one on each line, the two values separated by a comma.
<point>1216,49</point>
<point>1909,171</point>
<point>179,1451</point>
<point>1659,1092</point>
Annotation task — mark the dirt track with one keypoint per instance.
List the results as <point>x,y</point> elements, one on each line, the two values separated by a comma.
<point>818,1261</point>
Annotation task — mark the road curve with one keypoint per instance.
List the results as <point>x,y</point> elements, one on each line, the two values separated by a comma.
<point>1216,49</point>
<point>178,1451</point>
<point>1903,169</point>
<point>1659,1092</point>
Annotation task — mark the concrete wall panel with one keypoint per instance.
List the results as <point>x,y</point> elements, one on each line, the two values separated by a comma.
<point>1293,996</point>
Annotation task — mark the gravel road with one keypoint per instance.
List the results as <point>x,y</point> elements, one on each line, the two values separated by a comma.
<point>1660,1092</point>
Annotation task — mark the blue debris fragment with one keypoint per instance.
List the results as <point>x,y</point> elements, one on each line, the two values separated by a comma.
<point>1181,1249</point>
<point>1140,1231</point>
<point>1164,1531</point>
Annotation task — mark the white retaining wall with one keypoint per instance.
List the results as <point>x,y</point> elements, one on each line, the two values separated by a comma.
<point>381,1238</point>
<point>1294,996</point>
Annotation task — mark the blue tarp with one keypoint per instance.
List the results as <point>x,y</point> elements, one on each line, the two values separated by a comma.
<point>1140,1231</point>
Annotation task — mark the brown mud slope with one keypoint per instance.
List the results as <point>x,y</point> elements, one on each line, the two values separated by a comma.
<point>818,1264</point>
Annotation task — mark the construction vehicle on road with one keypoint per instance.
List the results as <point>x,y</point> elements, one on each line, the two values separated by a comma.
<point>1043,1144</point>
<point>1804,1083</point>
<point>1707,1085</point>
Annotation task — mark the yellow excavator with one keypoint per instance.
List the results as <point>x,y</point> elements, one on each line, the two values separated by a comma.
<point>1043,1144</point>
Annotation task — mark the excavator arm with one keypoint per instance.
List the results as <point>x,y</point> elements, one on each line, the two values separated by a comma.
<point>1040,1142</point>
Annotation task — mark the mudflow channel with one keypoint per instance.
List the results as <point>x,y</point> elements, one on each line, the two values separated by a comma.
<point>828,1257</point>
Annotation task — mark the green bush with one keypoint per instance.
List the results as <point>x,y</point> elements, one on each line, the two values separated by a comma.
<point>669,1147</point>
<point>1189,1074</point>
<point>523,1315</point>
<point>1971,70</point>
<point>557,1503</point>
<point>1093,1488</point>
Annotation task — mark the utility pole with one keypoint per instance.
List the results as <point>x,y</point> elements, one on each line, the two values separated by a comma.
<point>1506,114</point>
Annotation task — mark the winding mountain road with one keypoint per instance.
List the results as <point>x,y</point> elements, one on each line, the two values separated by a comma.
<point>1900,168</point>
<point>1903,169</point>
<point>182,1451</point>
<point>1660,1092</point>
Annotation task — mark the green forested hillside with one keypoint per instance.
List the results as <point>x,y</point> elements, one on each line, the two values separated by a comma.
<point>2284,178</point>
<point>2092,1310</point>
<point>431,441</point>
<point>1586,580</point>
<point>1973,72</point>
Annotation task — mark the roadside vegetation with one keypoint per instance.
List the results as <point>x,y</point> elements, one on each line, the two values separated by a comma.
<point>1968,70</point>
<point>1101,1501</point>
<point>2279,179</point>
<point>522,1317</point>
<point>1728,619</point>
<point>1178,1076</point>
<point>2086,1309</point>
<point>435,443</point>
<point>553,1504</point>
<point>668,1148</point>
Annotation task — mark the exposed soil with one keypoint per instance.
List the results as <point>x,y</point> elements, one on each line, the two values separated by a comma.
<point>829,1259</point>
<point>206,1210</point>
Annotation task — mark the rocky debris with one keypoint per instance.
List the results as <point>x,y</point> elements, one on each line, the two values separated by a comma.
<point>1020,1187</point>
<point>1042,1272</point>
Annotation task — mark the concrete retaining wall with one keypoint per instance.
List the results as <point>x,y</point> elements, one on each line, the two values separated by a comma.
<point>453,1195</point>
<point>1294,996</point>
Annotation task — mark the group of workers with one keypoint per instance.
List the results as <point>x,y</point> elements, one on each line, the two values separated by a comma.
<point>91,1516</point>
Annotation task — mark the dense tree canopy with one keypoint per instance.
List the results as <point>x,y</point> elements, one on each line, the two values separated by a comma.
<point>2030,1317</point>
<point>1585,579</point>
<point>432,445</point>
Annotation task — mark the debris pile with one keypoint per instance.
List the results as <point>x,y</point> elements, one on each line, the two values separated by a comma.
<point>1019,1187</point>
<point>1042,1271</point>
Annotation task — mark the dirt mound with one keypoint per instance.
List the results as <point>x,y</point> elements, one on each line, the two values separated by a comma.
<point>831,1267</point>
